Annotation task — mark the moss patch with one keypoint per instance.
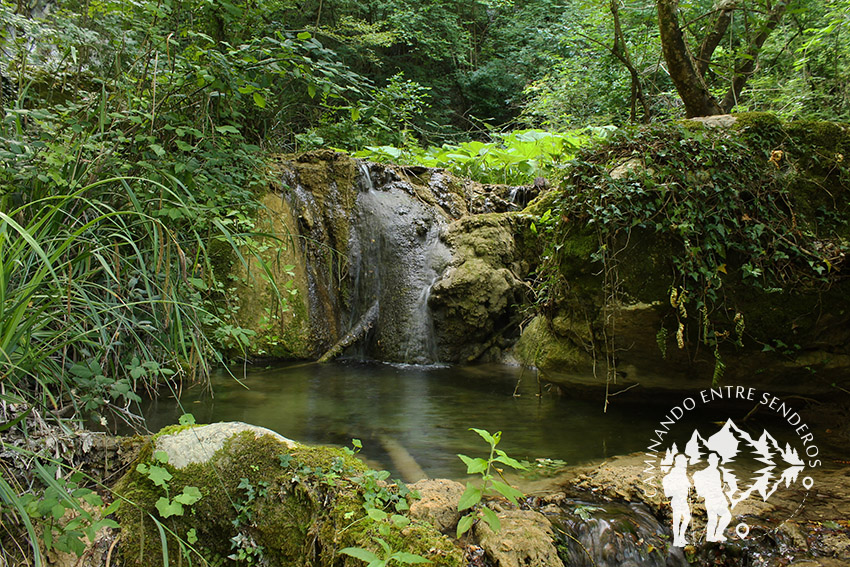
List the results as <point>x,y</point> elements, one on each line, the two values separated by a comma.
<point>298,514</point>
<point>753,220</point>
<point>541,346</point>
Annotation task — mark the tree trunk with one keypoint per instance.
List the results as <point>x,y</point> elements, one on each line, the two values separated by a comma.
<point>745,65</point>
<point>689,84</point>
<point>366,322</point>
<point>620,50</point>
<point>713,37</point>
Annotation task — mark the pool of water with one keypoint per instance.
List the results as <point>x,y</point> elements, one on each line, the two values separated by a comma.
<point>426,411</point>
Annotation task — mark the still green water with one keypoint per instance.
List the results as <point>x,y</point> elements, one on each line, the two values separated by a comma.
<point>426,410</point>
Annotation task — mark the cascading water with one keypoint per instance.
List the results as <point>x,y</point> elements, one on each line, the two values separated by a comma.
<point>613,535</point>
<point>395,257</point>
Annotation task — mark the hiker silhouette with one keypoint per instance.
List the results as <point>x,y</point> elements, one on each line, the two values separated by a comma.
<point>709,484</point>
<point>676,487</point>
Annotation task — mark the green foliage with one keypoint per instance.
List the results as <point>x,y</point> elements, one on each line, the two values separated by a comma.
<point>65,512</point>
<point>159,476</point>
<point>377,493</point>
<point>515,159</point>
<point>389,556</point>
<point>801,70</point>
<point>472,496</point>
<point>245,548</point>
<point>726,212</point>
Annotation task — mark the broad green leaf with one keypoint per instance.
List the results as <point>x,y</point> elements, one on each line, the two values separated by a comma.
<point>158,475</point>
<point>508,492</point>
<point>303,36</point>
<point>474,466</point>
<point>161,456</point>
<point>492,519</point>
<point>503,458</point>
<point>400,521</point>
<point>190,495</point>
<point>167,509</point>
<point>384,544</point>
<point>408,558</point>
<point>360,553</point>
<point>470,497</point>
<point>464,524</point>
<point>226,129</point>
<point>377,515</point>
<point>186,419</point>
<point>484,435</point>
<point>93,499</point>
<point>259,99</point>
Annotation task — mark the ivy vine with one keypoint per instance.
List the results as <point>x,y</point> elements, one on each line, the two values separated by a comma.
<point>720,200</point>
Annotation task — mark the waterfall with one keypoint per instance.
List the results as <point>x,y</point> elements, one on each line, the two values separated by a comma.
<point>613,535</point>
<point>395,257</point>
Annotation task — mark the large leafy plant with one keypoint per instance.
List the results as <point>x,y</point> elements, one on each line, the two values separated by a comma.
<point>488,469</point>
<point>514,158</point>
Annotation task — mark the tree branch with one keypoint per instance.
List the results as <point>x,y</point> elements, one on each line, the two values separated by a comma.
<point>713,37</point>
<point>746,64</point>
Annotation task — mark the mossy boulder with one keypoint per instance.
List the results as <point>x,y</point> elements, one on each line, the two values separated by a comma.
<point>767,300</point>
<point>475,301</point>
<point>262,498</point>
<point>271,287</point>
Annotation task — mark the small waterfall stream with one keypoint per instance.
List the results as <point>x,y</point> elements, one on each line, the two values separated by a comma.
<point>396,256</point>
<point>613,535</point>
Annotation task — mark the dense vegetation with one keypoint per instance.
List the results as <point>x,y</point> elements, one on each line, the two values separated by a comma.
<point>134,136</point>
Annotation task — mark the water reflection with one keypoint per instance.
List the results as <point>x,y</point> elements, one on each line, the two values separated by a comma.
<point>426,410</point>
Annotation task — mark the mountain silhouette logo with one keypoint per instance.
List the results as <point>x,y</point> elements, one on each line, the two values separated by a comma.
<point>708,466</point>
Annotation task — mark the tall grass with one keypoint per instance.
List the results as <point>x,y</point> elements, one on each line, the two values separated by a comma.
<point>99,301</point>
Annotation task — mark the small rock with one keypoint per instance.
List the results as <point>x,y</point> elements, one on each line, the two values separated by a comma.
<point>197,445</point>
<point>717,121</point>
<point>525,539</point>
<point>438,502</point>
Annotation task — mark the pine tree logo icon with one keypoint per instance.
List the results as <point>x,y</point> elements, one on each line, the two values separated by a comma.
<point>710,467</point>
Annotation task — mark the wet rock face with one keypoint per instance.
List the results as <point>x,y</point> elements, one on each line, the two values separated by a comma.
<point>475,301</point>
<point>396,255</point>
<point>399,263</point>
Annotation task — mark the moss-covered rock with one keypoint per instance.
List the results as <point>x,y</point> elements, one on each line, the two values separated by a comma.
<point>476,300</point>
<point>271,287</point>
<point>777,311</point>
<point>263,499</point>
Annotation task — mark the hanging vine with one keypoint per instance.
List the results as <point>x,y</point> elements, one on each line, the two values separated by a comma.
<point>721,201</point>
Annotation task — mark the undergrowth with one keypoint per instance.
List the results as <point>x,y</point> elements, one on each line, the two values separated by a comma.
<point>514,158</point>
<point>721,201</point>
